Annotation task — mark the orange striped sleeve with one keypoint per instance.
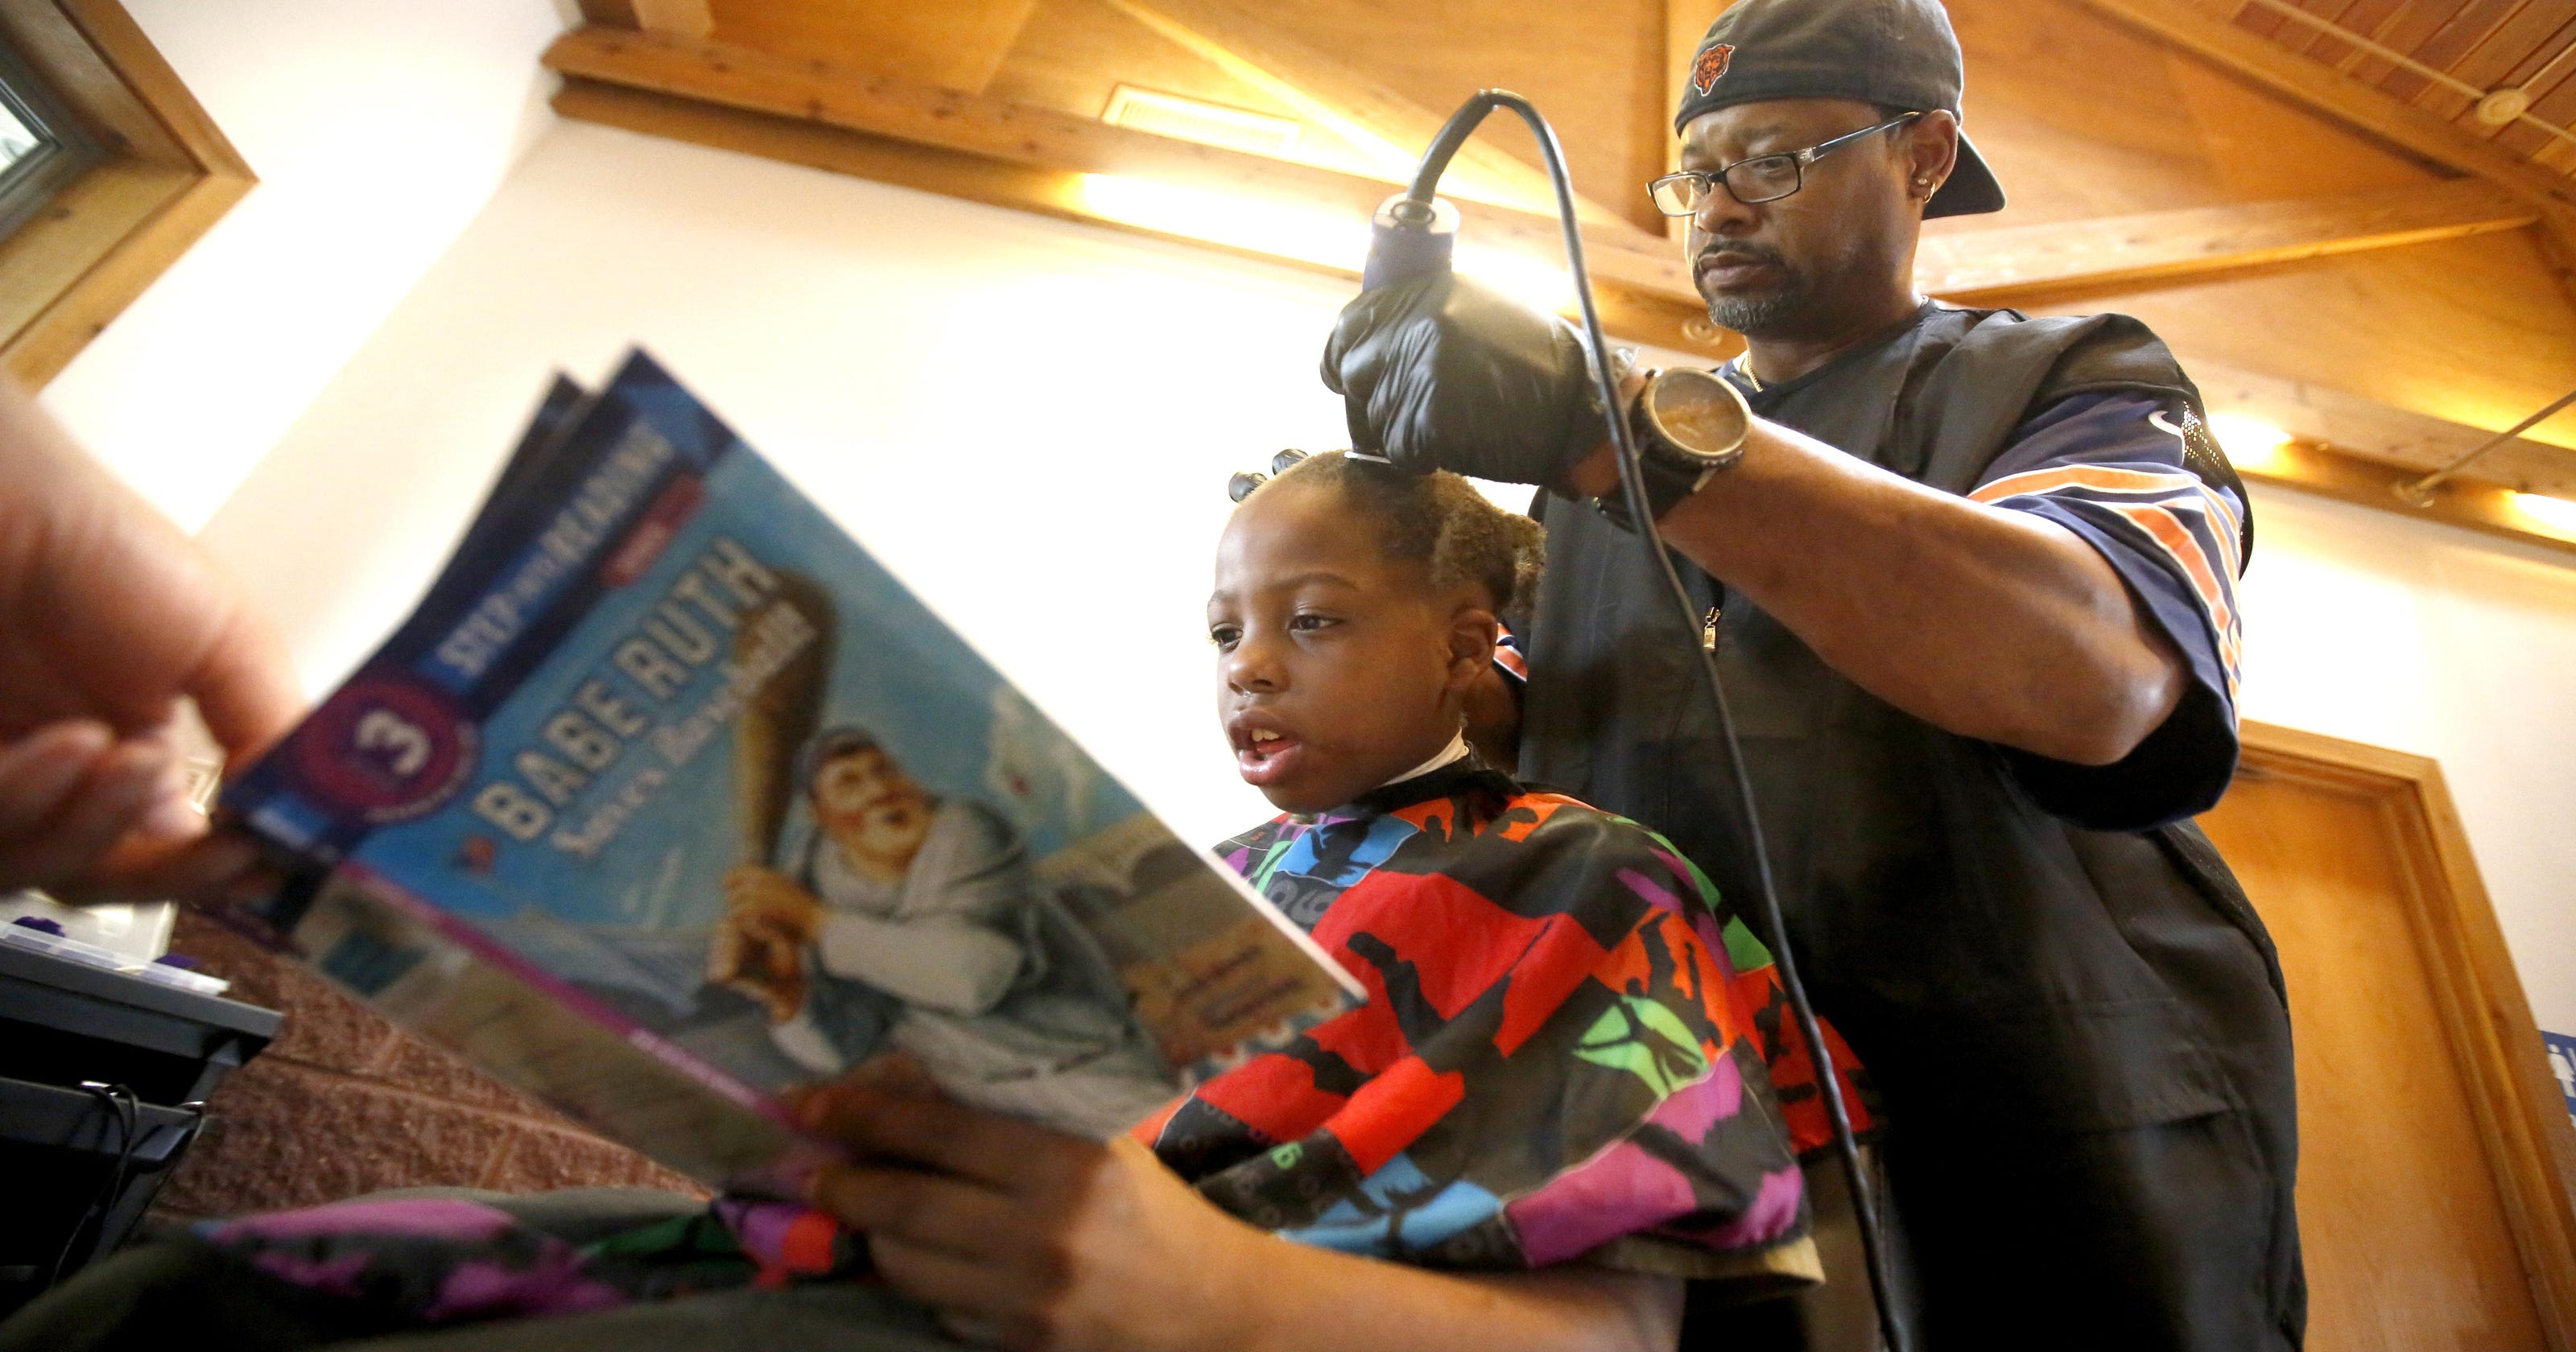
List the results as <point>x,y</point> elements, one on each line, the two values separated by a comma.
<point>2084,476</point>
<point>2176,540</point>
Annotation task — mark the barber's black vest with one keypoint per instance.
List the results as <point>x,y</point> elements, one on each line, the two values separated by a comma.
<point>1995,965</point>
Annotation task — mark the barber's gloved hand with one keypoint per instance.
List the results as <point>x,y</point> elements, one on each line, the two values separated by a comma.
<point>1443,372</point>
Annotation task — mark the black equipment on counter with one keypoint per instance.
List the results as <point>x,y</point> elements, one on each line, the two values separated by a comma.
<point>103,1079</point>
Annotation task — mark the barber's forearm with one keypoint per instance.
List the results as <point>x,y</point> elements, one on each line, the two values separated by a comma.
<point>1985,622</point>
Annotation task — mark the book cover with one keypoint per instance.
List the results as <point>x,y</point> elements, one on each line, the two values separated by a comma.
<point>668,797</point>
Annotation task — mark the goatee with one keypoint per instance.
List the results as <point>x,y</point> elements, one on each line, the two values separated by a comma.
<point>1760,314</point>
<point>1753,316</point>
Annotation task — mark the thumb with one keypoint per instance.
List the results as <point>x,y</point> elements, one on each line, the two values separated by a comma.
<point>245,689</point>
<point>1338,344</point>
<point>1361,327</point>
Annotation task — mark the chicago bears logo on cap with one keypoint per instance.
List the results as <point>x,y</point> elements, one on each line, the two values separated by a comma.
<point>1712,63</point>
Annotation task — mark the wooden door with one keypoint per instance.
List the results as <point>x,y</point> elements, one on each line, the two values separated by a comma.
<point>2433,1146</point>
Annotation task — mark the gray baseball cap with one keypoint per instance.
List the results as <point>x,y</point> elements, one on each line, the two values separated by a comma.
<point>1892,53</point>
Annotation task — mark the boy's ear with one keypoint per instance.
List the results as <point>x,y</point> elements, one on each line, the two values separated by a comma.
<point>1473,631</point>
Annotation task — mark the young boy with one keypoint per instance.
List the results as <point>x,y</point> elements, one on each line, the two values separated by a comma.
<point>1553,1108</point>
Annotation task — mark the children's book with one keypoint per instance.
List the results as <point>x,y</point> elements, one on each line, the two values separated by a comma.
<point>667,798</point>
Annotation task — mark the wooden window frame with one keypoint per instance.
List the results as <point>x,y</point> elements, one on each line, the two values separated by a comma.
<point>167,176</point>
<point>67,151</point>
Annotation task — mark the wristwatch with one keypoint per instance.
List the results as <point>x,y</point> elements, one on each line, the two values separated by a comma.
<point>1689,426</point>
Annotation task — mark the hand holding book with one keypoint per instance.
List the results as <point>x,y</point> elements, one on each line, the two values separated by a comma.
<point>1023,1237</point>
<point>109,617</point>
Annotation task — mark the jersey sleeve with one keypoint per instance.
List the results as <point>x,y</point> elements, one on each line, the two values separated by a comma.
<point>1511,661</point>
<point>2112,467</point>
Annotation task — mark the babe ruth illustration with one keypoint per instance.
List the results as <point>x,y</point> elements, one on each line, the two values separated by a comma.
<point>914,923</point>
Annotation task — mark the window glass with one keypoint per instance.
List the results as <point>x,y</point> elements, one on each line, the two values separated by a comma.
<point>108,171</point>
<point>40,149</point>
<point>17,140</point>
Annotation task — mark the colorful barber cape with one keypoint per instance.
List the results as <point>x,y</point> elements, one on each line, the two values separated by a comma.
<point>586,1270</point>
<point>1568,1052</point>
<point>2051,975</point>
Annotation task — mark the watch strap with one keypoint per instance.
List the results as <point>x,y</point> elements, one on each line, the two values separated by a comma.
<point>1666,485</point>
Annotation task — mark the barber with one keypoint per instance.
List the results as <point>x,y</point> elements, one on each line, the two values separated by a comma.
<point>1969,577</point>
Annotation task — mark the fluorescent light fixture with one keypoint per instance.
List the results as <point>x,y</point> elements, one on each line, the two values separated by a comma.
<point>2557,515</point>
<point>1279,229</point>
<point>2250,443</point>
<point>1390,158</point>
<point>1310,234</point>
<point>1191,119</point>
<point>1540,286</point>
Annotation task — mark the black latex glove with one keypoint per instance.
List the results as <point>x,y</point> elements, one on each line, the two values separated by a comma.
<point>1442,372</point>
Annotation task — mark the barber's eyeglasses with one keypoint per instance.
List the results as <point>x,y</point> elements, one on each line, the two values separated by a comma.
<point>1763,178</point>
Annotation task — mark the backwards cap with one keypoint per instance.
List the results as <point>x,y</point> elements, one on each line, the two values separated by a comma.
<point>1890,53</point>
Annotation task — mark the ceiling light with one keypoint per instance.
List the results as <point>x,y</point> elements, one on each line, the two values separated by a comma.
<point>1280,229</point>
<point>1309,234</point>
<point>2558,515</point>
<point>2250,443</point>
<point>1197,120</point>
<point>1540,286</point>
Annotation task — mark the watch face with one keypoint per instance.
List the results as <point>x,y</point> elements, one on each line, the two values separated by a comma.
<point>1697,413</point>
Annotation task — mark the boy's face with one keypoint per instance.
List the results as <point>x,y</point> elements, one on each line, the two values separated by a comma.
<point>1338,668</point>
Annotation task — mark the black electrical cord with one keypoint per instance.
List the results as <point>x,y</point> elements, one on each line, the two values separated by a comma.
<point>127,1110</point>
<point>1632,487</point>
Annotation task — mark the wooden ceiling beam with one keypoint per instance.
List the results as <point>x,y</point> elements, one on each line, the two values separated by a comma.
<point>1981,266</point>
<point>2204,30</point>
<point>1034,159</point>
<point>2361,451</point>
<point>879,105</point>
<point>1992,266</point>
<point>2323,470</point>
<point>2342,446</point>
<point>956,44</point>
<point>679,18</point>
<point>2412,442</point>
<point>1328,92</point>
<point>1651,315</point>
<point>610,13</point>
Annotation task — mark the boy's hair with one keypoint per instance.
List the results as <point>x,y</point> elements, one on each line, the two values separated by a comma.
<point>1436,519</point>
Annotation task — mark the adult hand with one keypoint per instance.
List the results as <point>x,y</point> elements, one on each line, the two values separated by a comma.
<point>108,617</point>
<point>1443,372</point>
<point>1026,1238</point>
